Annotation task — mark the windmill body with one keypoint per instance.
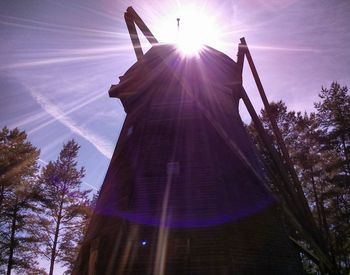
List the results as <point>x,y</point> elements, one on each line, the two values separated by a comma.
<point>184,192</point>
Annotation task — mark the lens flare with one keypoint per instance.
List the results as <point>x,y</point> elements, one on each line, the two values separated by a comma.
<point>189,47</point>
<point>195,28</point>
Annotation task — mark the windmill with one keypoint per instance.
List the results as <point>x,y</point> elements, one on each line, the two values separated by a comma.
<point>185,191</point>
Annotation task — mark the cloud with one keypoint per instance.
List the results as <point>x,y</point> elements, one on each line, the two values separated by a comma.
<point>102,145</point>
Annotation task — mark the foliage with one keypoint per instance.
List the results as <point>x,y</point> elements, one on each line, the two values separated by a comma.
<point>47,215</point>
<point>334,117</point>
<point>318,144</point>
<point>65,208</point>
<point>19,193</point>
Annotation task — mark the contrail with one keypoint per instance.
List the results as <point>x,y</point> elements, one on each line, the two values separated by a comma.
<point>102,145</point>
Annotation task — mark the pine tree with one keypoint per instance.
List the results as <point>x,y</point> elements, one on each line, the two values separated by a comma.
<point>318,144</point>
<point>65,207</point>
<point>301,135</point>
<point>19,196</point>
<point>334,117</point>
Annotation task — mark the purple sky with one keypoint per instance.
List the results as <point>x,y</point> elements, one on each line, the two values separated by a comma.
<point>59,58</point>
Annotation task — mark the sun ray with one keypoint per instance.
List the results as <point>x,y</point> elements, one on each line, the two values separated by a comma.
<point>58,60</point>
<point>284,49</point>
<point>31,24</point>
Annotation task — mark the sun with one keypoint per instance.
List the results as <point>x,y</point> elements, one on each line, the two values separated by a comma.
<point>190,27</point>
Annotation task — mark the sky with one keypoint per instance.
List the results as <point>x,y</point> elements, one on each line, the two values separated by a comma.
<point>58,59</point>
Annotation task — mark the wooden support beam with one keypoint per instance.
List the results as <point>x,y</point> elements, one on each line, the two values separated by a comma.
<point>287,200</point>
<point>282,146</point>
<point>273,153</point>
<point>132,18</point>
<point>133,36</point>
<point>305,250</point>
<point>324,261</point>
<point>277,133</point>
<point>142,26</point>
<point>240,57</point>
<point>300,215</point>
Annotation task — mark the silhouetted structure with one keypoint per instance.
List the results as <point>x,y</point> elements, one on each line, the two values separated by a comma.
<point>185,192</point>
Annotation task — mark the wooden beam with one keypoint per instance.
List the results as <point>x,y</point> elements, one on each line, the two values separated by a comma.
<point>278,134</point>
<point>142,26</point>
<point>273,153</point>
<point>132,18</point>
<point>305,250</point>
<point>300,216</point>
<point>133,36</point>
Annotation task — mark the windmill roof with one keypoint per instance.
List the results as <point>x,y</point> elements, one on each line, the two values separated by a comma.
<point>165,61</point>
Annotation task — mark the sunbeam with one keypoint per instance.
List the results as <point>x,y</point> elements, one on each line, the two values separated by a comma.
<point>31,24</point>
<point>58,60</point>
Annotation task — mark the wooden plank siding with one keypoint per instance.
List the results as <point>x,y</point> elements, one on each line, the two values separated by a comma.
<point>177,199</point>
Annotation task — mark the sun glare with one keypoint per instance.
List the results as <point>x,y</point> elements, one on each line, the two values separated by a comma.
<point>189,45</point>
<point>194,29</point>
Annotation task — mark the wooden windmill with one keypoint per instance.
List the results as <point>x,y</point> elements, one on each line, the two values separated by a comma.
<point>185,192</point>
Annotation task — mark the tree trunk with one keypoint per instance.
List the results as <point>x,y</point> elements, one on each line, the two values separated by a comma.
<point>316,197</point>
<point>55,240</point>
<point>12,240</point>
<point>2,191</point>
<point>326,229</point>
<point>345,154</point>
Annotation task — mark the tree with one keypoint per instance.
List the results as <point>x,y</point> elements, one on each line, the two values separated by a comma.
<point>65,208</point>
<point>286,123</point>
<point>18,197</point>
<point>16,156</point>
<point>318,144</point>
<point>334,117</point>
